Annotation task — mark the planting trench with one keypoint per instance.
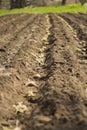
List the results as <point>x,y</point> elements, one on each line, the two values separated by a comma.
<point>41,66</point>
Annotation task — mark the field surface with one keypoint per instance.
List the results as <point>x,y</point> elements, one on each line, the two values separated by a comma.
<point>43,63</point>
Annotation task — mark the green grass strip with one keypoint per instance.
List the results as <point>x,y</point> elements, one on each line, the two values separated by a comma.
<point>72,8</point>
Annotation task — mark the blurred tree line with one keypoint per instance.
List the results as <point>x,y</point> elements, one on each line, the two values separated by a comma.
<point>13,3</point>
<point>22,3</point>
<point>83,1</point>
<point>17,3</point>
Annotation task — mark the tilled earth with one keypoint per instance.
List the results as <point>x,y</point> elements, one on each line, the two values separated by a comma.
<point>43,63</point>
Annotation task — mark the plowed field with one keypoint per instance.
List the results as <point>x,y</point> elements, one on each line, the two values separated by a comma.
<point>43,63</point>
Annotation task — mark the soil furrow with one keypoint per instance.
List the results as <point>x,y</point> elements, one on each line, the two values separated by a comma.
<point>13,30</point>
<point>25,67</point>
<point>83,19</point>
<point>13,25</point>
<point>15,44</point>
<point>62,88</point>
<point>62,98</point>
<point>81,30</point>
<point>81,33</point>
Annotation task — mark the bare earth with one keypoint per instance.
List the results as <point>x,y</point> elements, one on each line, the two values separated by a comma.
<point>43,63</point>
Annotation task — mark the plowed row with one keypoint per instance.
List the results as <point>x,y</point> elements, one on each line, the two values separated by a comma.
<point>43,63</point>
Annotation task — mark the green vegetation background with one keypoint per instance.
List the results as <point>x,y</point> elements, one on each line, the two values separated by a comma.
<point>73,8</point>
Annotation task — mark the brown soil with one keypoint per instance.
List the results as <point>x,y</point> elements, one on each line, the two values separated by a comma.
<point>43,63</point>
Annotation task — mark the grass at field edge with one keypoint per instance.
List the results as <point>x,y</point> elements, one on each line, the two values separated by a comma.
<point>72,8</point>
